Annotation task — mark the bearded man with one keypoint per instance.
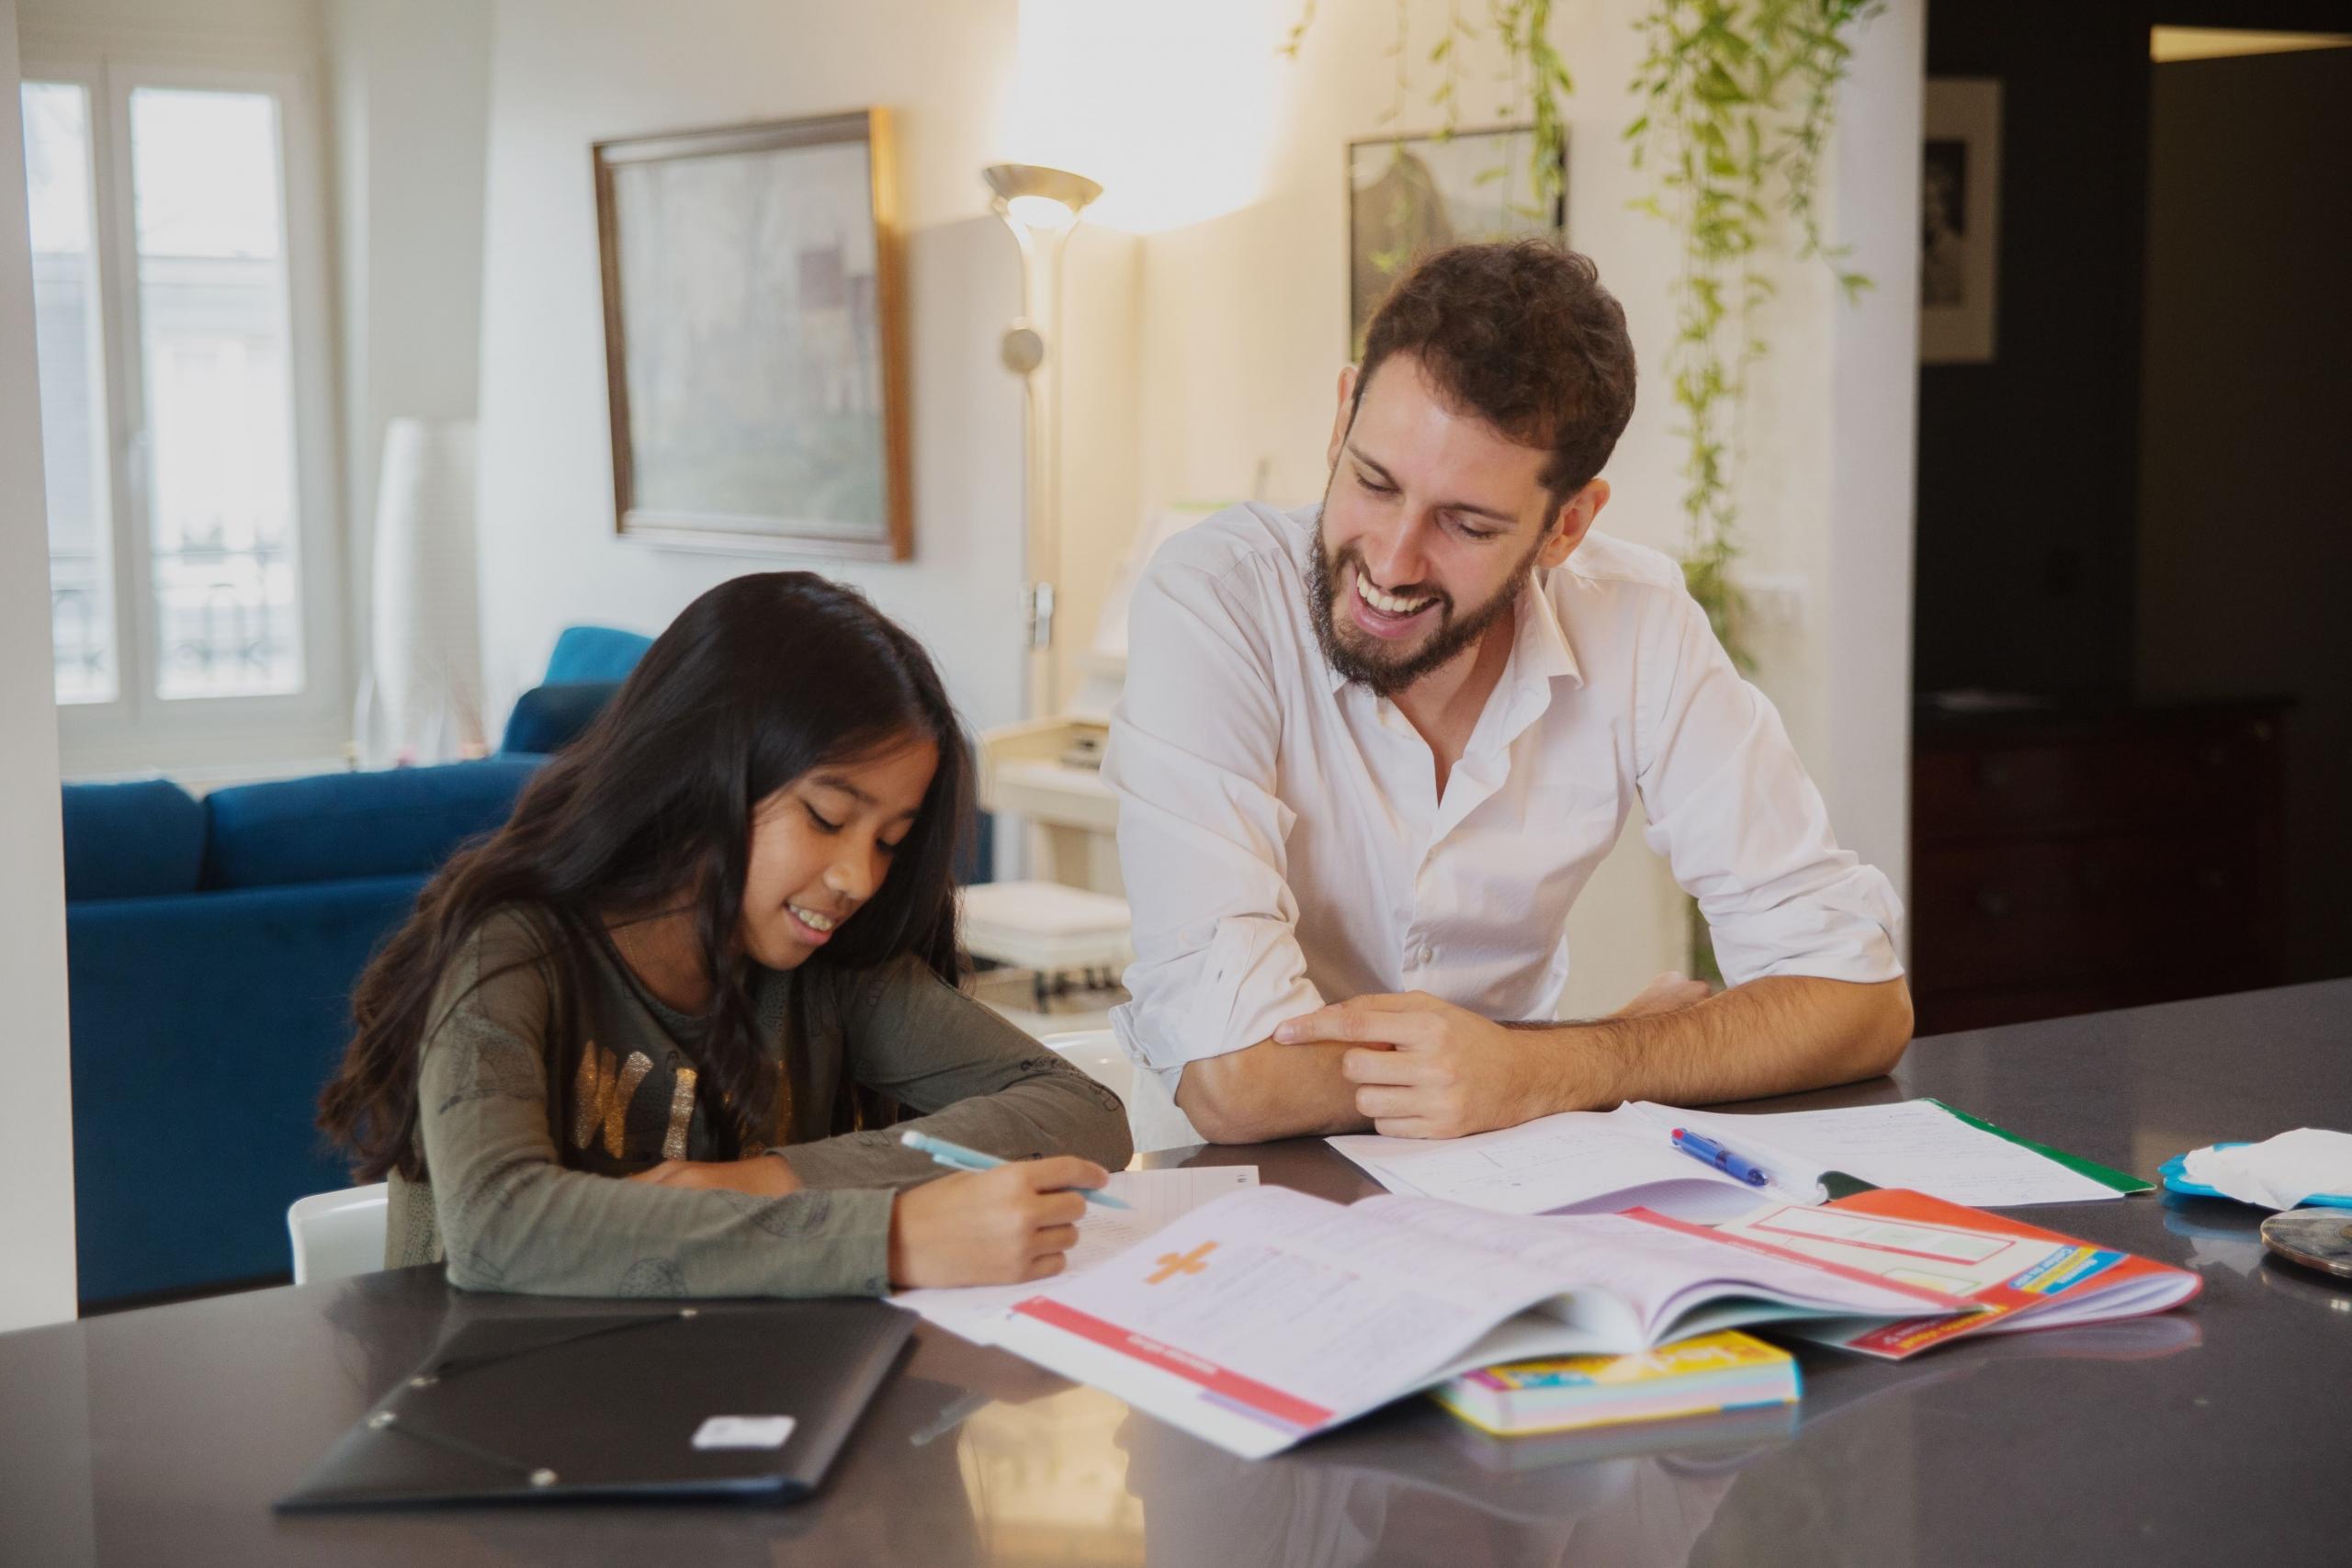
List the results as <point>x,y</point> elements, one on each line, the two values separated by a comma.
<point>1369,751</point>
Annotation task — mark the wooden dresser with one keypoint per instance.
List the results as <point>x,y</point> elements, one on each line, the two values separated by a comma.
<point>2064,861</point>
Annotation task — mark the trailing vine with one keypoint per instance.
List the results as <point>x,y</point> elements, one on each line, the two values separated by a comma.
<point>1722,138</point>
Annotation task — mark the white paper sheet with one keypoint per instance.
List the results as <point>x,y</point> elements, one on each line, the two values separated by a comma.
<point>1578,1159</point>
<point>1591,1160</point>
<point>1157,1198</point>
<point>1914,1144</point>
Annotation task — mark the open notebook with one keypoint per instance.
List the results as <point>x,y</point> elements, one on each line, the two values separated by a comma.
<point>1600,1161</point>
<point>1268,1315</point>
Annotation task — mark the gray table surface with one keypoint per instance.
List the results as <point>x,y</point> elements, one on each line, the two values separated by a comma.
<point>2218,1433</point>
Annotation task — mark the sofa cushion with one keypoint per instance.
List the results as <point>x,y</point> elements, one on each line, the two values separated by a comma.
<point>594,653</point>
<point>544,717</point>
<point>345,824</point>
<point>131,841</point>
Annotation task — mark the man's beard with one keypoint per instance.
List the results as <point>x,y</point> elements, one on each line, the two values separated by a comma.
<point>1386,677</point>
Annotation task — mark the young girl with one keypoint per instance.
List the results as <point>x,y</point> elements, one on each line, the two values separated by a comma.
<point>615,1050</point>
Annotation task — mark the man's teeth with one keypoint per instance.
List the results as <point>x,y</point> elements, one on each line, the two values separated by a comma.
<point>1388,603</point>
<point>815,921</point>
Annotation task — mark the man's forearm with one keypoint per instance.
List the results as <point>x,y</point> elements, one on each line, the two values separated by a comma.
<point>1270,1091</point>
<point>1778,1035</point>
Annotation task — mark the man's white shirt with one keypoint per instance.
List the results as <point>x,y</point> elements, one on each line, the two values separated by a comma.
<point>1284,843</point>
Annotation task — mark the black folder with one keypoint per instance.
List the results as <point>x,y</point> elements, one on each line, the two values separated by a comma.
<point>683,1401</point>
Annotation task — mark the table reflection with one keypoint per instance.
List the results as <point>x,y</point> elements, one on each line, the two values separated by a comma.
<point>1077,1477</point>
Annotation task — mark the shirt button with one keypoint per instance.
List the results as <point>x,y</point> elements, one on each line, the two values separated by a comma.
<point>1429,957</point>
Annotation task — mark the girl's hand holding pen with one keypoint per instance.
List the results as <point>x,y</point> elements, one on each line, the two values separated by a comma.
<point>1004,1227</point>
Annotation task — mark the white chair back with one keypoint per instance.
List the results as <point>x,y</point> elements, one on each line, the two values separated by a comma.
<point>337,1235</point>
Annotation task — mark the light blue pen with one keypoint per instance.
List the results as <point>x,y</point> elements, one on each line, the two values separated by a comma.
<point>961,1158</point>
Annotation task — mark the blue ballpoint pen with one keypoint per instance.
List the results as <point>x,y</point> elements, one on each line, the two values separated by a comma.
<point>961,1158</point>
<point>1722,1158</point>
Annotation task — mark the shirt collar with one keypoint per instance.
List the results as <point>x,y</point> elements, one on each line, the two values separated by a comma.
<point>1541,651</point>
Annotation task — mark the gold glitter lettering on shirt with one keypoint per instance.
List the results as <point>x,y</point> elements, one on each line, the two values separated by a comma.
<point>589,1090</point>
<point>633,1073</point>
<point>682,1115</point>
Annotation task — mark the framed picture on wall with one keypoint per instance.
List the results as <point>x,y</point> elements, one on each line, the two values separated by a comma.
<point>1411,195</point>
<point>1960,208</point>
<point>755,338</point>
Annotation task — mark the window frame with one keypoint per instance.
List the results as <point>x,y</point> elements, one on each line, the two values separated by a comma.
<point>139,730</point>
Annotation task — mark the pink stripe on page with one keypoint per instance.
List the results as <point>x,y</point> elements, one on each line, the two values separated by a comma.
<point>1949,1302</point>
<point>1258,1397</point>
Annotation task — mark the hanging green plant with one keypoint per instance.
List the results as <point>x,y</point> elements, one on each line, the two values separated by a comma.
<point>1740,100</point>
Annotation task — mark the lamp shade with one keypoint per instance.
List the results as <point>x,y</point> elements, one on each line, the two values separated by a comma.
<point>422,698</point>
<point>1034,196</point>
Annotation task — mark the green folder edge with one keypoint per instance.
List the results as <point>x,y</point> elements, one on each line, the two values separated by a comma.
<point>2104,1174</point>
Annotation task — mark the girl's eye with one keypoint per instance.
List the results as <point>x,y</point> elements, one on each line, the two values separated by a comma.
<point>823,825</point>
<point>887,848</point>
<point>1374,486</point>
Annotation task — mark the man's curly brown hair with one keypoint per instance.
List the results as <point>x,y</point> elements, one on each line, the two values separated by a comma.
<point>1521,334</point>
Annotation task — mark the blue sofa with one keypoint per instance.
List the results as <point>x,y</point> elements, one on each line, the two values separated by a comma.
<point>211,947</point>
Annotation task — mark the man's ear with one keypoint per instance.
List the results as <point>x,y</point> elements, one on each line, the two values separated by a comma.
<point>1340,421</point>
<point>1572,521</point>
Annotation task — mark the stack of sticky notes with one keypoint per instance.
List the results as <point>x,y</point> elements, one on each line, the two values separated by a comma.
<point>1692,1377</point>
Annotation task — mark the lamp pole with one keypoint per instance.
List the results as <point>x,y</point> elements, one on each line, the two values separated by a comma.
<point>1041,207</point>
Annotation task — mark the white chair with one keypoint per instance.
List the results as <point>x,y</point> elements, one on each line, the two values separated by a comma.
<point>337,1235</point>
<point>1153,1120</point>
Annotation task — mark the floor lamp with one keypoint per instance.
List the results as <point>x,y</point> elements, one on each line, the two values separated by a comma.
<point>1041,207</point>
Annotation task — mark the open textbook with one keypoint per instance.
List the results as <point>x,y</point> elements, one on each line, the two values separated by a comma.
<point>1268,1315</point>
<point>1591,1160</point>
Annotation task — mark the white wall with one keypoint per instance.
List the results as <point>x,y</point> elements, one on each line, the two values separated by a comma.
<point>1863,760</point>
<point>36,1113</point>
<point>567,72</point>
<point>1245,329</point>
<point>409,95</point>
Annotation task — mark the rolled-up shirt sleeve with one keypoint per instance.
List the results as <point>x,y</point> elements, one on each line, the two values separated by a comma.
<point>1743,827</point>
<point>1202,834</point>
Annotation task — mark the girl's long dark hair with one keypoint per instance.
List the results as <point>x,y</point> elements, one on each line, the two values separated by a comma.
<point>756,682</point>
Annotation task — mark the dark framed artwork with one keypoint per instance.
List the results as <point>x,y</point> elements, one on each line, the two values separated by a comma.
<point>1411,195</point>
<point>755,338</point>
<point>1959,209</point>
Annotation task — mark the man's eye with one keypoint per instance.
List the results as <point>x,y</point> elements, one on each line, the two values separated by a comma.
<point>1475,535</point>
<point>1374,486</point>
<point>823,825</point>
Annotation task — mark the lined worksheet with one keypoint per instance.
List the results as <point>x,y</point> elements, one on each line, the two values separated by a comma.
<point>1588,1161</point>
<point>1156,1199</point>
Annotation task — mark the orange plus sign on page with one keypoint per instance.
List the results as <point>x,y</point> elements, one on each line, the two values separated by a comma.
<point>1174,1263</point>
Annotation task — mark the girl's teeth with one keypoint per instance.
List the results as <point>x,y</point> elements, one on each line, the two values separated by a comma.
<point>814,921</point>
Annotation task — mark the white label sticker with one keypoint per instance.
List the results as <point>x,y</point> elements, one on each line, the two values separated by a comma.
<point>743,1432</point>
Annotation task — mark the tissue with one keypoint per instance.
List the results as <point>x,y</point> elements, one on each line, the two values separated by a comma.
<point>2278,1173</point>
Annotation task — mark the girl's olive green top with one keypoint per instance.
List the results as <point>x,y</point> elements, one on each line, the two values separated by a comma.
<point>511,1201</point>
